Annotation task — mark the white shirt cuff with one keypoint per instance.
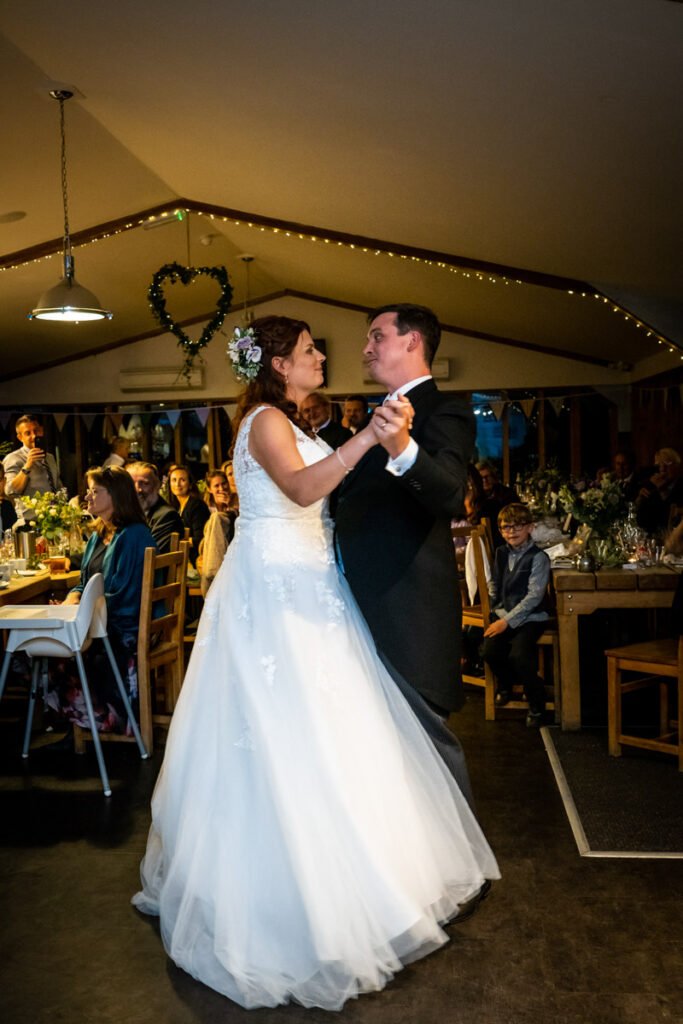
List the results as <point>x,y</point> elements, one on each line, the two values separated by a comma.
<point>403,462</point>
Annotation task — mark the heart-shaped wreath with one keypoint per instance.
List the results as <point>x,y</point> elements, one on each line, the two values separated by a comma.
<point>175,272</point>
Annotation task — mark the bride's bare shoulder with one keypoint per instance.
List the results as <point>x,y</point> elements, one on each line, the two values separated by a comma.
<point>271,426</point>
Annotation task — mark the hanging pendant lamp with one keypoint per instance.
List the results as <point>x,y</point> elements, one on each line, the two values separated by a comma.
<point>67,301</point>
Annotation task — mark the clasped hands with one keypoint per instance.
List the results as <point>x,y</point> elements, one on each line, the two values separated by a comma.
<point>392,423</point>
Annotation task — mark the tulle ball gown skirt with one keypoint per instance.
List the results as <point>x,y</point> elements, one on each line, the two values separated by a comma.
<point>306,839</point>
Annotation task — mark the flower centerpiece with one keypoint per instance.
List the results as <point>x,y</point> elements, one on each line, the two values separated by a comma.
<point>540,490</point>
<point>600,507</point>
<point>53,516</point>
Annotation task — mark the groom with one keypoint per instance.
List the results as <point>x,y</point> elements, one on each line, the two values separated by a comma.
<point>393,521</point>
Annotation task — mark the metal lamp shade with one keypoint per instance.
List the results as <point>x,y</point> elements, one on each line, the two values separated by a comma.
<point>69,302</point>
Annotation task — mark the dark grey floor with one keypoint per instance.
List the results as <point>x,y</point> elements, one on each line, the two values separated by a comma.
<point>560,939</point>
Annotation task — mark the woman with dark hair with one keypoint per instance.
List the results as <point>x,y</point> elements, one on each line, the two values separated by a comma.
<point>474,499</point>
<point>116,548</point>
<point>194,513</point>
<point>307,838</point>
<point>220,526</point>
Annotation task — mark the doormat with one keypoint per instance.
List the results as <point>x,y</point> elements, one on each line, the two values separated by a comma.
<point>628,806</point>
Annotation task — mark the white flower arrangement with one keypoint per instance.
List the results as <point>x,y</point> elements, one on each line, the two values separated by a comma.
<point>245,354</point>
<point>52,513</point>
<point>600,507</point>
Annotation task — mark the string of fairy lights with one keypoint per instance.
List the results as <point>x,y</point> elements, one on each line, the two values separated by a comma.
<point>180,213</point>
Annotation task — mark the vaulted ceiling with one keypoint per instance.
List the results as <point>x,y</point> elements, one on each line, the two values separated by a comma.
<point>513,165</point>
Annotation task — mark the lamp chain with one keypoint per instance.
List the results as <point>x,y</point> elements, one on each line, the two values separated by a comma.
<point>67,238</point>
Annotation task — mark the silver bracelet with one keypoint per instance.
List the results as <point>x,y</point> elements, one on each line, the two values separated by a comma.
<point>347,469</point>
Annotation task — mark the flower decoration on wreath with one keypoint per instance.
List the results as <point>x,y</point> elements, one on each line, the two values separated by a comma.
<point>245,354</point>
<point>173,272</point>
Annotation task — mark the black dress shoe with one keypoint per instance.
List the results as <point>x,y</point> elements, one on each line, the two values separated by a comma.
<point>470,906</point>
<point>503,697</point>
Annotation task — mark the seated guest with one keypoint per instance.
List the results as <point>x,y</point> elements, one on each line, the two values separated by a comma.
<point>220,526</point>
<point>30,470</point>
<point>8,516</point>
<point>517,590</point>
<point>623,470</point>
<point>161,518</point>
<point>661,494</point>
<point>355,414</point>
<point>317,411</point>
<point>227,469</point>
<point>193,511</point>
<point>496,497</point>
<point>474,497</point>
<point>116,549</point>
<point>120,447</point>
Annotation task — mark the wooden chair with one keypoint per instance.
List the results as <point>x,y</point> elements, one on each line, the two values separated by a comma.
<point>463,533</point>
<point>655,664</point>
<point>160,659</point>
<point>487,536</point>
<point>548,647</point>
<point>479,616</point>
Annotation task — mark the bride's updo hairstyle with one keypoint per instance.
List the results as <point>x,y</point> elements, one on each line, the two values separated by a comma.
<point>276,336</point>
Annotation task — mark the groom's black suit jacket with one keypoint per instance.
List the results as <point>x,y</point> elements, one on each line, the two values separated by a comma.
<point>395,542</point>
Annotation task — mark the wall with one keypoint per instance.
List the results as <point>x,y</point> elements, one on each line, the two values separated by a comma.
<point>475,365</point>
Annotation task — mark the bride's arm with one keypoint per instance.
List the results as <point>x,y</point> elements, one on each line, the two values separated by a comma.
<point>272,443</point>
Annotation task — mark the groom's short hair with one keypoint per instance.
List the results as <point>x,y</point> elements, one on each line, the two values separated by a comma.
<point>414,318</point>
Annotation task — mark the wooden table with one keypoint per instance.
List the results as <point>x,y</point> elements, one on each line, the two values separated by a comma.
<point>582,593</point>
<point>27,589</point>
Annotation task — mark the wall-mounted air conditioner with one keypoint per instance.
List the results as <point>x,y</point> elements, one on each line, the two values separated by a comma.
<point>161,378</point>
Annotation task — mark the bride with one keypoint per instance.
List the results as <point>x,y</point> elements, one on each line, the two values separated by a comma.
<point>306,839</point>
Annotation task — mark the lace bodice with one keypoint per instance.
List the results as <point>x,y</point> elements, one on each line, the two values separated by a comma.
<point>260,498</point>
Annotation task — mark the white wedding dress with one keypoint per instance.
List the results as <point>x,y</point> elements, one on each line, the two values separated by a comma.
<point>307,839</point>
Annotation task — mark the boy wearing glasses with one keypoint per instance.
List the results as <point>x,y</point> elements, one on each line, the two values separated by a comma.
<point>517,589</point>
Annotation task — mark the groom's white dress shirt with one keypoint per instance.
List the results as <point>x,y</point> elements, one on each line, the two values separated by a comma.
<point>402,463</point>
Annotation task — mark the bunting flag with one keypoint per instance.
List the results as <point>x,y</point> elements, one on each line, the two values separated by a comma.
<point>173,415</point>
<point>621,398</point>
<point>60,419</point>
<point>202,414</point>
<point>497,408</point>
<point>527,406</point>
<point>117,420</point>
<point>88,418</point>
<point>557,404</point>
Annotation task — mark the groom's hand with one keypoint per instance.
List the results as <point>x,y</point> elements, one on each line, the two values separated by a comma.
<point>392,422</point>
